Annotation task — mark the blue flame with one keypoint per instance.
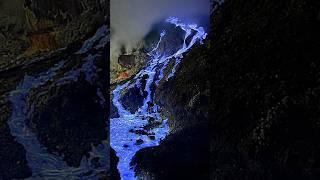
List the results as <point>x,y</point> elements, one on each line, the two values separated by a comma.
<point>121,139</point>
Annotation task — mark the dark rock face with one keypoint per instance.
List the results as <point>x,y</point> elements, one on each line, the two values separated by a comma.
<point>113,111</point>
<point>139,141</point>
<point>183,155</point>
<point>127,61</point>
<point>114,175</point>
<point>133,98</point>
<point>13,162</point>
<point>261,64</point>
<point>71,121</point>
<point>186,97</point>
<point>170,43</point>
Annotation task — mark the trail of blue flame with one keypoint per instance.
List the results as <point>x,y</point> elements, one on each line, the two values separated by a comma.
<point>120,138</point>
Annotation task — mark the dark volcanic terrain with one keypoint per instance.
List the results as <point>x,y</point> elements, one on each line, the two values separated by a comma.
<point>256,82</point>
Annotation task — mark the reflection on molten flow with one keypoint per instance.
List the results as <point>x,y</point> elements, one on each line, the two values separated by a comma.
<point>131,132</point>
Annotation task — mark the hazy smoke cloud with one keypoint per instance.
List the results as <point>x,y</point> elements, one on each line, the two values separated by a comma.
<point>131,20</point>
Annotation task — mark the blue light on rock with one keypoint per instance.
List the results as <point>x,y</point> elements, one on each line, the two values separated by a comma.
<point>123,138</point>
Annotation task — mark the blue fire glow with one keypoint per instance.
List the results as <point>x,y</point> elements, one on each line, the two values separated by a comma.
<point>122,138</point>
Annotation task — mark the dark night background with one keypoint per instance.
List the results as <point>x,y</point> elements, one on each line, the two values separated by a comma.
<point>243,106</point>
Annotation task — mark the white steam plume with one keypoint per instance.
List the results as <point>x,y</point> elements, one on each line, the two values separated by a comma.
<point>131,20</point>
